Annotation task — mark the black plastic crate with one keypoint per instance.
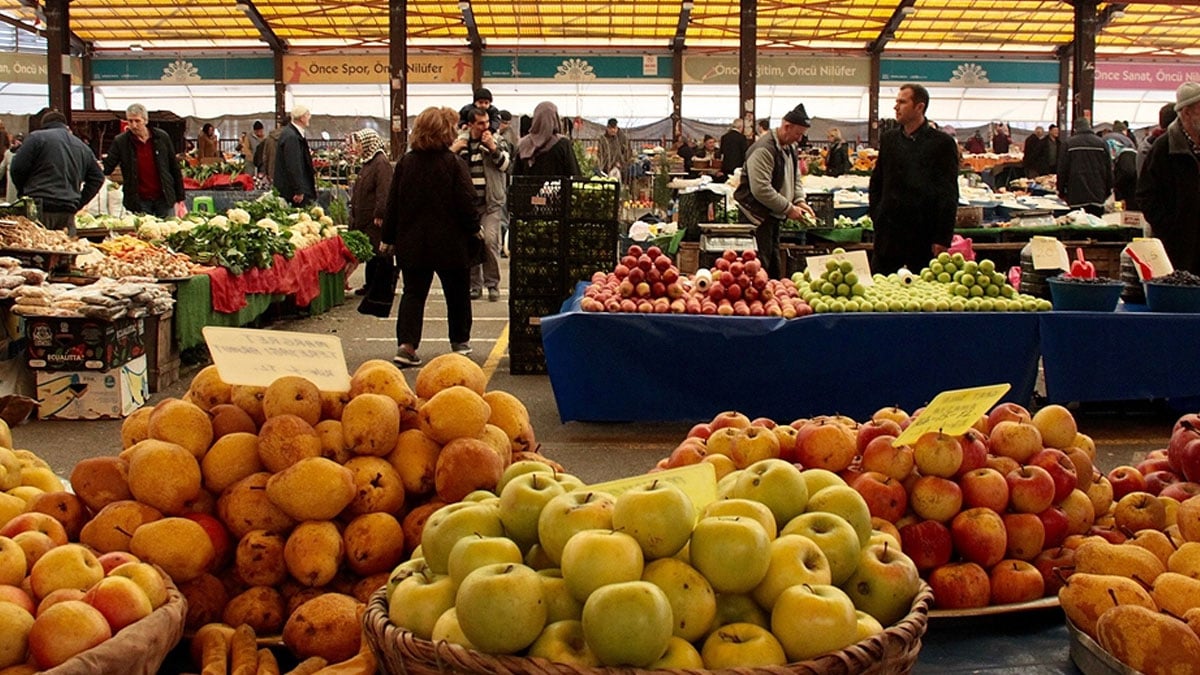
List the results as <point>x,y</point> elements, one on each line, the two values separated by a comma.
<point>535,239</point>
<point>592,241</point>
<point>530,309</point>
<point>822,206</point>
<point>527,363</point>
<point>595,201</point>
<point>701,206</point>
<point>525,333</point>
<point>537,197</point>
<point>582,271</point>
<point>535,277</point>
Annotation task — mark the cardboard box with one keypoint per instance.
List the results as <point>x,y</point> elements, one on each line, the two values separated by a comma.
<point>77,343</point>
<point>90,395</point>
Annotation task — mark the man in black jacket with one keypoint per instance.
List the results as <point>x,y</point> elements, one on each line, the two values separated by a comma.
<point>914,188</point>
<point>1085,175</point>
<point>294,177</point>
<point>152,179</point>
<point>1168,187</point>
<point>733,149</point>
<point>58,171</point>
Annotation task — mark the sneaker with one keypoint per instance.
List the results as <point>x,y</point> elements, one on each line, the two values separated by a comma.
<point>463,348</point>
<point>493,295</point>
<point>476,293</point>
<point>407,356</point>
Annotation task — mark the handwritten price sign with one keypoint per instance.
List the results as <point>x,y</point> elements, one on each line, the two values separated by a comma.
<point>257,358</point>
<point>952,412</point>
<point>1151,258</point>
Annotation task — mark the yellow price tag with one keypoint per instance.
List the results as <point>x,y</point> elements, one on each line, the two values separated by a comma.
<point>952,412</point>
<point>698,481</point>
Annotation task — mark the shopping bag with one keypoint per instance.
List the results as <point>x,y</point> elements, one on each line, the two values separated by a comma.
<point>381,286</point>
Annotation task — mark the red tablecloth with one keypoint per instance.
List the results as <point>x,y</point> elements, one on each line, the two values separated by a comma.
<point>298,276</point>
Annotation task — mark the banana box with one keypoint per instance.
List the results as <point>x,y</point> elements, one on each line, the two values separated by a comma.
<point>90,394</point>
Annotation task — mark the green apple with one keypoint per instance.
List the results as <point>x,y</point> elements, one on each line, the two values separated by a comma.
<point>537,559</point>
<point>819,479</point>
<point>846,502</point>
<point>777,484</point>
<point>739,608</point>
<point>521,502</point>
<point>680,655</point>
<point>693,602</point>
<point>563,642</point>
<point>501,608</point>
<point>741,645</point>
<point>726,483</point>
<point>658,515</point>
<point>813,620</point>
<point>732,552</point>
<point>744,507</point>
<point>474,551</point>
<point>15,624</point>
<point>569,513</point>
<point>403,571</point>
<point>627,624</point>
<point>795,559</point>
<point>447,629</point>
<point>479,496</point>
<point>452,522</point>
<point>13,566</point>
<point>595,558</point>
<point>520,468</point>
<point>835,536</point>
<point>560,604</point>
<point>570,482</point>
<point>885,583</point>
<point>420,600</point>
<point>867,625</point>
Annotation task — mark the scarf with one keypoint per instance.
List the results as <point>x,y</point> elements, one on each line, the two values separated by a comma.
<point>370,142</point>
<point>543,132</point>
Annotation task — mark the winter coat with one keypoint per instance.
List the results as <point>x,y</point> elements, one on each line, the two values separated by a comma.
<point>770,181</point>
<point>733,151</point>
<point>122,152</point>
<point>370,197</point>
<point>559,160</point>
<point>837,162</point>
<point>1168,191</point>
<point>54,166</point>
<point>1085,175</point>
<point>293,167</point>
<point>431,216</point>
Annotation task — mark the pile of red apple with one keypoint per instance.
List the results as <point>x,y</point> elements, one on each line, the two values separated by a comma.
<point>1173,471</point>
<point>987,515</point>
<point>649,282</point>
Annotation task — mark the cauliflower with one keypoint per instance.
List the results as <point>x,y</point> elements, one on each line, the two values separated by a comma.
<point>329,233</point>
<point>326,221</point>
<point>219,221</point>
<point>317,212</point>
<point>303,217</point>
<point>238,216</point>
<point>268,224</point>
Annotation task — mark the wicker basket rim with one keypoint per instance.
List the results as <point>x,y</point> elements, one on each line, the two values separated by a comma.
<point>895,646</point>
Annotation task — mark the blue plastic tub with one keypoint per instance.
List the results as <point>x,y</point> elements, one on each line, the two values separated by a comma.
<point>1068,296</point>
<point>1172,298</point>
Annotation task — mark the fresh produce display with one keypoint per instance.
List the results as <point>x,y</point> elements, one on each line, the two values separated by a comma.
<point>236,247</point>
<point>649,282</point>
<point>359,244</point>
<point>127,256</point>
<point>106,299</point>
<point>986,515</point>
<point>593,199</point>
<point>784,567</point>
<point>22,233</point>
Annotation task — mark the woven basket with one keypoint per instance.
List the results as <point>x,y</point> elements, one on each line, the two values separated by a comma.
<point>892,652</point>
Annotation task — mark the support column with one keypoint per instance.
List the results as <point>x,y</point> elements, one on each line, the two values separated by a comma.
<point>676,95</point>
<point>58,46</point>
<point>748,64</point>
<point>398,83</point>
<point>280,88</point>
<point>89,90</point>
<point>476,68</point>
<point>873,100</point>
<point>1084,57</point>
<point>1064,91</point>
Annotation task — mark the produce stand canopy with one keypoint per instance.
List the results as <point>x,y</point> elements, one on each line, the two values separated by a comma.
<point>1025,26</point>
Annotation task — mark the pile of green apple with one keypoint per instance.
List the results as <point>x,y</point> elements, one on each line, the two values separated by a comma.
<point>784,566</point>
<point>949,284</point>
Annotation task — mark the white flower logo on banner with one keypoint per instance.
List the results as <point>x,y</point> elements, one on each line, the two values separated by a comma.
<point>969,74</point>
<point>180,71</point>
<point>575,70</point>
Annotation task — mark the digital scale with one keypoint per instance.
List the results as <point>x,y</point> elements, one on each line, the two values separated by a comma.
<point>1034,218</point>
<point>716,238</point>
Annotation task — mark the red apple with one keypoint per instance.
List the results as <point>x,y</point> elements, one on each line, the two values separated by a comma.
<point>1055,525</point>
<point>1061,470</point>
<point>928,543</point>
<point>766,422</point>
<point>1111,535</point>
<point>985,487</point>
<point>215,529</point>
<point>938,454</point>
<point>1030,489</point>
<point>962,585</point>
<point>1018,440</point>
<point>687,453</point>
<point>975,451</point>
<point>18,597</point>
<point>893,413</point>
<point>979,536</point>
<point>1005,465</point>
<point>1055,564</point>
<point>1016,581</point>
<point>880,455</point>
<point>825,445</point>
<point>885,496</point>
<point>936,498</point>
<point>1183,450</point>
<point>36,522</point>
<point>114,559</point>
<point>1152,464</point>
<point>1181,491</point>
<point>729,418</point>
<point>1124,479</point>
<point>1026,535</point>
<point>1007,412</point>
<point>1156,481</point>
<point>873,429</point>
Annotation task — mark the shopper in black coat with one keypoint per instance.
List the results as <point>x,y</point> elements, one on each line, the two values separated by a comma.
<point>734,145</point>
<point>1085,175</point>
<point>837,159</point>
<point>58,170</point>
<point>543,151</point>
<point>432,225</point>
<point>1168,187</point>
<point>293,170</point>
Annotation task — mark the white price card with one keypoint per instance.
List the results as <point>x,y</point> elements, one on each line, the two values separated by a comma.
<point>1149,258</point>
<point>857,258</point>
<point>1049,254</point>
<point>255,357</point>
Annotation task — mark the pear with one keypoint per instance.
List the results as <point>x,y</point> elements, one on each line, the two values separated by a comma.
<point>377,486</point>
<point>260,607</point>
<point>370,424</point>
<point>1176,593</point>
<point>183,423</point>
<point>233,457</point>
<point>178,545</point>
<point>113,526</point>
<point>244,506</point>
<point>208,390</point>
<point>284,440</point>
<point>449,370</point>
<point>454,412</point>
<point>313,488</point>
<point>164,475</point>
<point>314,552</point>
<point>1086,596</point>
<point>100,481</point>
<point>259,559</point>
<point>10,470</point>
<point>1100,557</point>
<point>136,427</point>
<point>326,626</point>
<point>293,395</point>
<point>333,441</point>
<point>1148,641</point>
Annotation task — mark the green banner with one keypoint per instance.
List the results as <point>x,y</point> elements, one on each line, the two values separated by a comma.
<point>781,70</point>
<point>582,68</point>
<point>184,70</point>
<point>968,72</point>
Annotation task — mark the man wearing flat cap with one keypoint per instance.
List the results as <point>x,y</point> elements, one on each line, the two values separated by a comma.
<point>914,188</point>
<point>1168,188</point>
<point>770,191</point>
<point>483,101</point>
<point>293,167</point>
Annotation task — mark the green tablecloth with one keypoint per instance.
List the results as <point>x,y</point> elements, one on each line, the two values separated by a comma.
<point>1114,233</point>
<point>193,307</point>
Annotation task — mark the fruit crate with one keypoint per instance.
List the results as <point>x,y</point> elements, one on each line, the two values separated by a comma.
<point>595,200</point>
<point>593,242</point>
<point>535,239</point>
<point>536,277</point>
<point>538,197</point>
<point>822,206</point>
<point>701,206</point>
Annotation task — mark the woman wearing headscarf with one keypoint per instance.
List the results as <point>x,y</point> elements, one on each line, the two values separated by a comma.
<point>207,150</point>
<point>544,151</point>
<point>433,227</point>
<point>368,203</point>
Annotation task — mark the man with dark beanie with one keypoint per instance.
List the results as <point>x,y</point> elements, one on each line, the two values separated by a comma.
<point>58,171</point>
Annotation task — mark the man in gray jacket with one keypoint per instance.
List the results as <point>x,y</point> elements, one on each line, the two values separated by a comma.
<point>770,191</point>
<point>488,158</point>
<point>58,171</point>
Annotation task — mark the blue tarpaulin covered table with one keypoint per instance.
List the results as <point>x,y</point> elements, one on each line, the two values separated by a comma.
<point>677,367</point>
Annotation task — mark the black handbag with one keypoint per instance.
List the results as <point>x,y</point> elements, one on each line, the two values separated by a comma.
<point>381,287</point>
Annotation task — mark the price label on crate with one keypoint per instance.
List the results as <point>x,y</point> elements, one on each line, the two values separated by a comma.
<point>858,258</point>
<point>1049,254</point>
<point>256,357</point>
<point>952,412</point>
<point>1150,258</point>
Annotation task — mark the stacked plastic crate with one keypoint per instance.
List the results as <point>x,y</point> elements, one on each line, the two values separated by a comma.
<point>561,230</point>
